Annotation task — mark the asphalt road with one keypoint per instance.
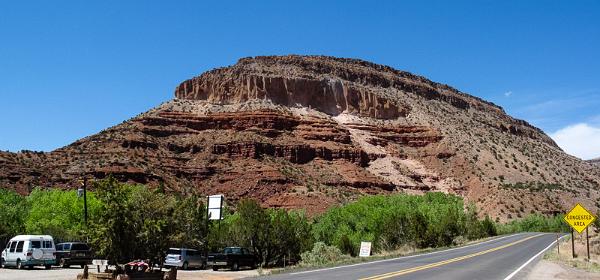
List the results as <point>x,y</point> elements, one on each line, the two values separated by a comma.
<point>504,258</point>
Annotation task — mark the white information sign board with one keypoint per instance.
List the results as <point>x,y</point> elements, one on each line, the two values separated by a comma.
<point>365,249</point>
<point>215,205</point>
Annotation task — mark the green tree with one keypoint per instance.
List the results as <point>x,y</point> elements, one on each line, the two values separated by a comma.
<point>112,231</point>
<point>59,213</point>
<point>151,222</point>
<point>13,212</point>
<point>252,228</point>
<point>189,222</point>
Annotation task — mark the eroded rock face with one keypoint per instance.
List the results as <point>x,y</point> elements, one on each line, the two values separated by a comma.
<point>331,96</point>
<point>310,132</point>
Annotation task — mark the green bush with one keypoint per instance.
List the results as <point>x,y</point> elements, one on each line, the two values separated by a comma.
<point>273,234</point>
<point>134,222</point>
<point>322,254</point>
<point>535,223</point>
<point>13,212</point>
<point>390,222</point>
<point>59,213</point>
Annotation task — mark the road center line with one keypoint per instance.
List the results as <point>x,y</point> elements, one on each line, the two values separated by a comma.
<point>510,276</point>
<point>403,257</point>
<point>432,265</point>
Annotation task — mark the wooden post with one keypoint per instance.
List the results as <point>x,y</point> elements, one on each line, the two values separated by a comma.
<point>587,241</point>
<point>573,243</point>
<point>558,245</point>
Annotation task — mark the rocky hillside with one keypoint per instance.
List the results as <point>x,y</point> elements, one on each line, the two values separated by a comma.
<point>312,131</point>
<point>595,161</point>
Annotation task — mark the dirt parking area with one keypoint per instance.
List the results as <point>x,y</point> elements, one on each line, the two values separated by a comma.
<point>71,274</point>
<point>40,273</point>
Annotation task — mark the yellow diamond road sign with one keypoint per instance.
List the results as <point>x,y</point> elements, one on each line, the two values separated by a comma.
<point>579,218</point>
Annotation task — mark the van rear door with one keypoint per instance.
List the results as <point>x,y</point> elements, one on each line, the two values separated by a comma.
<point>48,249</point>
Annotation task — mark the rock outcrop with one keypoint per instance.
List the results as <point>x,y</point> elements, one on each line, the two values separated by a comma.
<point>311,132</point>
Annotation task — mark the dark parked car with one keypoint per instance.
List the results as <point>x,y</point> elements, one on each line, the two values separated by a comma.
<point>232,257</point>
<point>73,253</point>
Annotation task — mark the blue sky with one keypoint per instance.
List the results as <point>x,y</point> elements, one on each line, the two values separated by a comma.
<point>69,69</point>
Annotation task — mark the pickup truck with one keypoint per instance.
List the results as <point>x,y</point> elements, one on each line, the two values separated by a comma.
<point>232,257</point>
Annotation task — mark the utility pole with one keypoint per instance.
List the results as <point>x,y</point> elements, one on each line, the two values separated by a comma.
<point>85,210</point>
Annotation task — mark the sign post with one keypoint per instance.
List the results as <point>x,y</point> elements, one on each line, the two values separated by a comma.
<point>587,241</point>
<point>558,244</point>
<point>573,244</point>
<point>214,211</point>
<point>579,219</point>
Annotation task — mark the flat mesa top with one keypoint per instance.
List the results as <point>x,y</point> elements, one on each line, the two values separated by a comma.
<point>579,218</point>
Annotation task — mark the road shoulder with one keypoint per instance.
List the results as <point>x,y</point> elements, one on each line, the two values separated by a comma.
<point>548,270</point>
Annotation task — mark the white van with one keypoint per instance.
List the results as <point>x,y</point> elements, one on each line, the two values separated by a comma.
<point>29,251</point>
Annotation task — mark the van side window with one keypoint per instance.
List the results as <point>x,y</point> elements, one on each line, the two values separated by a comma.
<point>20,247</point>
<point>13,246</point>
<point>48,244</point>
<point>36,244</point>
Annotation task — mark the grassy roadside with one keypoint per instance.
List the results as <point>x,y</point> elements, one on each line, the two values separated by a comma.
<point>404,252</point>
<point>580,261</point>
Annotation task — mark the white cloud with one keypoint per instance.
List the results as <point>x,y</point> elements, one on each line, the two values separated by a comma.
<point>581,140</point>
<point>508,93</point>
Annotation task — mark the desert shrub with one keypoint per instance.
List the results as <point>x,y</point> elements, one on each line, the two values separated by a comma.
<point>322,254</point>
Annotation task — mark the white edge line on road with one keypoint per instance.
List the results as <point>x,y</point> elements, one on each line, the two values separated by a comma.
<point>404,257</point>
<point>510,276</point>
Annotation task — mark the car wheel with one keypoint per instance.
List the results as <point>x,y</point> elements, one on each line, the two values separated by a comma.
<point>185,266</point>
<point>19,264</point>
<point>48,266</point>
<point>235,266</point>
<point>1,263</point>
<point>63,263</point>
<point>215,268</point>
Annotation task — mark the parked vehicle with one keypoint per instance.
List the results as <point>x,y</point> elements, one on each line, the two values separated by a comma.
<point>29,251</point>
<point>73,253</point>
<point>232,257</point>
<point>185,258</point>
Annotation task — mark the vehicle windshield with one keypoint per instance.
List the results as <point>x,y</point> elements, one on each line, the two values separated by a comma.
<point>174,252</point>
<point>80,247</point>
<point>36,244</point>
<point>233,251</point>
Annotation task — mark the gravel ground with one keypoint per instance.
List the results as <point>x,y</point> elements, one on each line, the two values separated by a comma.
<point>71,274</point>
<point>547,270</point>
